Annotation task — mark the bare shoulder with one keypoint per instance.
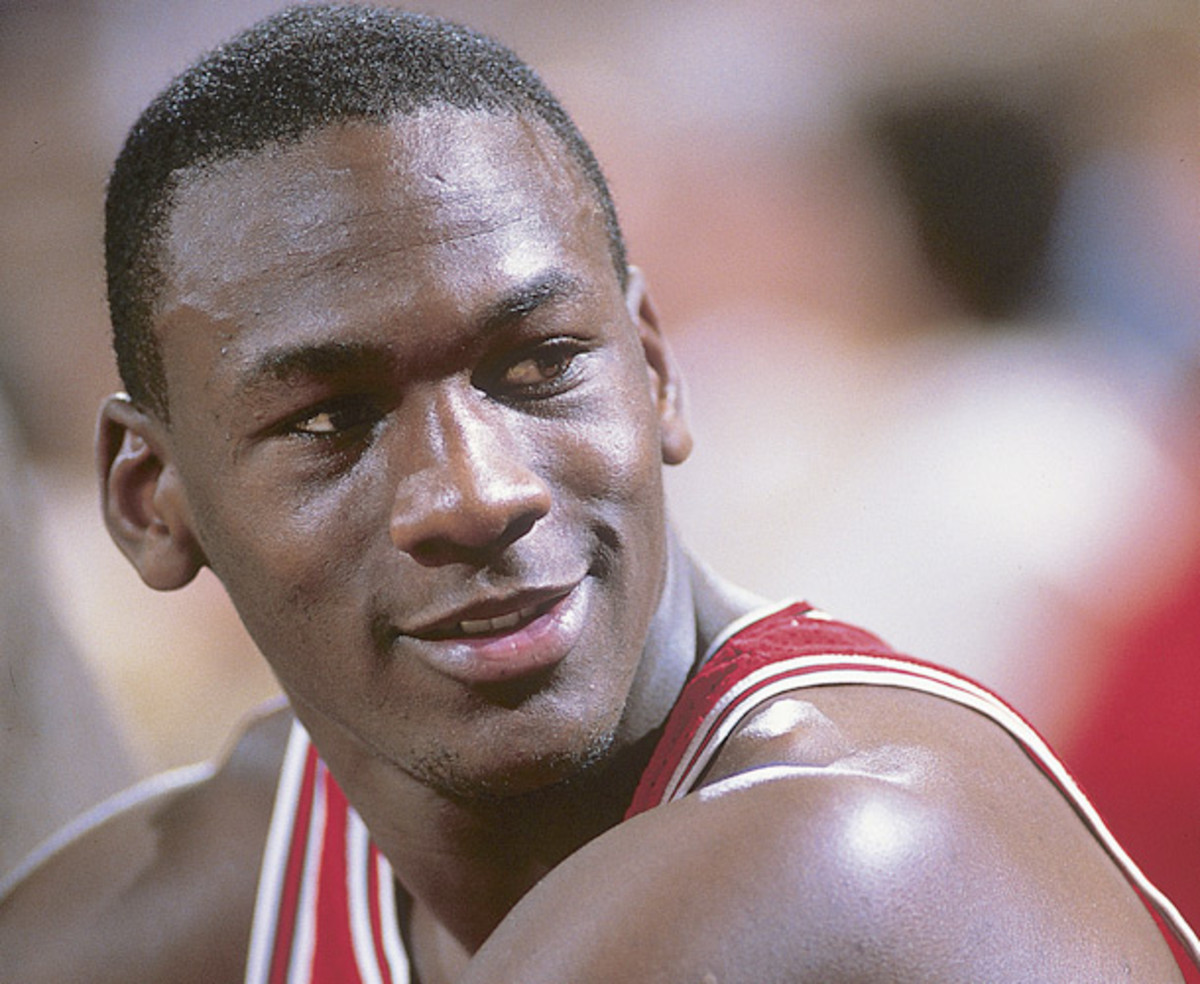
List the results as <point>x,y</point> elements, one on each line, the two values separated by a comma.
<point>858,833</point>
<point>159,884</point>
<point>941,811</point>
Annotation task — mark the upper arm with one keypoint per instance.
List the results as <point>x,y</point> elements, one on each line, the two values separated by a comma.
<point>161,889</point>
<point>907,867</point>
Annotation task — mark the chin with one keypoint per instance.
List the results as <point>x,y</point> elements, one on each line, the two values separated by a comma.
<point>519,777</point>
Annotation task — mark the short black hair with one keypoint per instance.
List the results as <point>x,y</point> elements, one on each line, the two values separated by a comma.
<point>302,69</point>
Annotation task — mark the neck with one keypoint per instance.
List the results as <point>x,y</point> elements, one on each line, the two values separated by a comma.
<point>468,863</point>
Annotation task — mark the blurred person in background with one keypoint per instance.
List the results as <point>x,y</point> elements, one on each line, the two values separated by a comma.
<point>957,451</point>
<point>61,751</point>
<point>1126,256</point>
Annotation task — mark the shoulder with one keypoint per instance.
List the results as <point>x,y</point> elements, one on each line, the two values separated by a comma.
<point>157,885</point>
<point>848,832</point>
<point>933,831</point>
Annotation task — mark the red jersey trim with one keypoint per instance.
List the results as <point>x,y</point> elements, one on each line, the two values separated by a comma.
<point>326,906</point>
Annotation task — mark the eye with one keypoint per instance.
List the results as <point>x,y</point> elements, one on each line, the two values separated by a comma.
<point>546,370</point>
<point>336,419</point>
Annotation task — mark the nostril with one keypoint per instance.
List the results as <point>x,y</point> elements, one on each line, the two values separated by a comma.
<point>518,528</point>
<point>436,550</point>
<point>433,553</point>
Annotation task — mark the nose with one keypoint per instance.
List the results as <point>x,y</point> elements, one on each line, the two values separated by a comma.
<point>468,491</point>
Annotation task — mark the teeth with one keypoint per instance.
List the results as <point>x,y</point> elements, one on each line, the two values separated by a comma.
<point>481,626</point>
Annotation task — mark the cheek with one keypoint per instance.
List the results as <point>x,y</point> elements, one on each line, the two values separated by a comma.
<point>611,470</point>
<point>615,445</point>
<point>614,458</point>
<point>284,561</point>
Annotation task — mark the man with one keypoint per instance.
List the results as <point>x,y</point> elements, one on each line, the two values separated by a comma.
<point>392,380</point>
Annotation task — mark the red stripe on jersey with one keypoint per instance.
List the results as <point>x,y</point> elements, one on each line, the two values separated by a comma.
<point>333,955</point>
<point>289,902</point>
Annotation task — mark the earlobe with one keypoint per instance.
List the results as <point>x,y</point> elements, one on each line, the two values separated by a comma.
<point>143,500</point>
<point>666,382</point>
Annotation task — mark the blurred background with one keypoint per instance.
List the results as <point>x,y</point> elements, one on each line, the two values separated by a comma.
<point>932,269</point>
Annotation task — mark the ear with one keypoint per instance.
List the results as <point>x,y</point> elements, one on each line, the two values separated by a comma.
<point>666,383</point>
<point>144,505</point>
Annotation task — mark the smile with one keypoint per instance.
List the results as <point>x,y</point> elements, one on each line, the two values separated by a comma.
<point>522,636</point>
<point>495,616</point>
<point>485,626</point>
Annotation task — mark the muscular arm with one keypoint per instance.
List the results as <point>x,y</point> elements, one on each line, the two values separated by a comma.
<point>162,890</point>
<point>818,853</point>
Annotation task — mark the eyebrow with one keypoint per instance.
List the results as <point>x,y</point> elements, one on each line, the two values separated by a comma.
<point>332,358</point>
<point>543,288</point>
<point>325,359</point>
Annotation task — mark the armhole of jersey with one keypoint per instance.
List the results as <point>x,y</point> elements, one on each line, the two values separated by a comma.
<point>275,855</point>
<point>799,673</point>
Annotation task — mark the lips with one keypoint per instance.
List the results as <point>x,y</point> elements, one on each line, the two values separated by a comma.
<point>505,638</point>
<point>491,615</point>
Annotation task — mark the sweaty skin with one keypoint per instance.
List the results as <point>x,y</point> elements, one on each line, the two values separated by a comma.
<point>417,430</point>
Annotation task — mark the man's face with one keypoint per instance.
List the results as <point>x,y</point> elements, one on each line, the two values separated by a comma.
<point>419,438</point>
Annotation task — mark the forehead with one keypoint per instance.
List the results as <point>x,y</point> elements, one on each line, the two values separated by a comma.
<point>414,205</point>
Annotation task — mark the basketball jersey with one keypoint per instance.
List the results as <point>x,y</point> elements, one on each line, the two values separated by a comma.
<point>326,911</point>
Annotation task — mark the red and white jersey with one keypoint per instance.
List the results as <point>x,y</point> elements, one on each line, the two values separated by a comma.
<point>327,912</point>
<point>326,908</point>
